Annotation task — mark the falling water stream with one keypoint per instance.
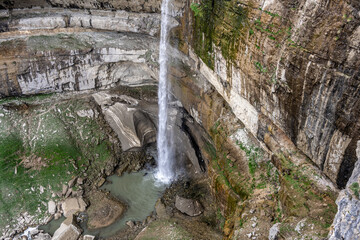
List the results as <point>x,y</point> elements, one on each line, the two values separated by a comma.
<point>165,172</point>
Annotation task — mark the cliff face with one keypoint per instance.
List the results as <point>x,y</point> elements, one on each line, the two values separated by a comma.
<point>279,75</point>
<point>133,6</point>
<point>295,63</point>
<point>56,50</point>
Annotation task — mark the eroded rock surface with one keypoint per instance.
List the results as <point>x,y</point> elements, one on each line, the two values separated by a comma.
<point>75,62</point>
<point>347,222</point>
<point>52,18</point>
<point>103,210</point>
<point>134,127</point>
<point>293,63</point>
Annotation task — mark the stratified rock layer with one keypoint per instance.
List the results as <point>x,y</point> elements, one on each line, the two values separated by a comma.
<point>295,63</point>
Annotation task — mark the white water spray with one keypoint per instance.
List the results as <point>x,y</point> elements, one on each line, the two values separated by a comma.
<point>165,172</point>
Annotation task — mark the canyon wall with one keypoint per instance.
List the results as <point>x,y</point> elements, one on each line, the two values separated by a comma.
<point>279,75</point>
<point>294,63</point>
<point>133,6</point>
<point>56,50</point>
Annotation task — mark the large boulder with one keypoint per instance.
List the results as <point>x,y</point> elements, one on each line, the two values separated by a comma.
<point>103,210</point>
<point>161,210</point>
<point>51,207</point>
<point>68,230</point>
<point>73,205</point>
<point>88,237</point>
<point>188,206</point>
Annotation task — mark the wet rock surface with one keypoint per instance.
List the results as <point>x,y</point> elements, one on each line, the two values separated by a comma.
<point>291,79</point>
<point>104,210</point>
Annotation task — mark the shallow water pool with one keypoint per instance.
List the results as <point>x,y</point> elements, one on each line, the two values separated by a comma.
<point>139,191</point>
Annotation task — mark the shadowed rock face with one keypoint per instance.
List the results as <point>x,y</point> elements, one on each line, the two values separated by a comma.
<point>135,123</point>
<point>347,222</point>
<point>145,128</point>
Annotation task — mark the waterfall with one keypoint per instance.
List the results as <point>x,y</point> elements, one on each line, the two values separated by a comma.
<point>164,140</point>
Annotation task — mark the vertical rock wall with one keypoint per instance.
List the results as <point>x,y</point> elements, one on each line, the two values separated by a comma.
<point>347,222</point>
<point>295,63</point>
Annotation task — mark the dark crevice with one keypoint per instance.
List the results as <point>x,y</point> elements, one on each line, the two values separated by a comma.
<point>194,145</point>
<point>348,164</point>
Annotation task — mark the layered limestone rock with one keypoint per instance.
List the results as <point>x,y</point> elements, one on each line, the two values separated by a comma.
<point>294,63</point>
<point>133,6</point>
<point>74,62</point>
<point>135,123</point>
<point>73,205</point>
<point>140,6</point>
<point>134,127</point>
<point>56,50</point>
<point>51,18</point>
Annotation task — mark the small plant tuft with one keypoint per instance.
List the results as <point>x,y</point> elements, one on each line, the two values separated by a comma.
<point>196,8</point>
<point>355,188</point>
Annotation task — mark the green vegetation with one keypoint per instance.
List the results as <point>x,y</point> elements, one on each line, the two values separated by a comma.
<point>196,8</point>
<point>221,24</point>
<point>252,153</point>
<point>260,67</point>
<point>28,99</point>
<point>42,147</point>
<point>220,218</point>
<point>302,197</point>
<point>286,229</point>
<point>355,188</point>
<point>165,229</point>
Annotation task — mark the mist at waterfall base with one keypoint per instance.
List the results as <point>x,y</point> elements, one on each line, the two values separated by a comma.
<point>165,173</point>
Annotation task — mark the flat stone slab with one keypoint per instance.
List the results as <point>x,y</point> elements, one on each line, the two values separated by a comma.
<point>73,205</point>
<point>68,230</point>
